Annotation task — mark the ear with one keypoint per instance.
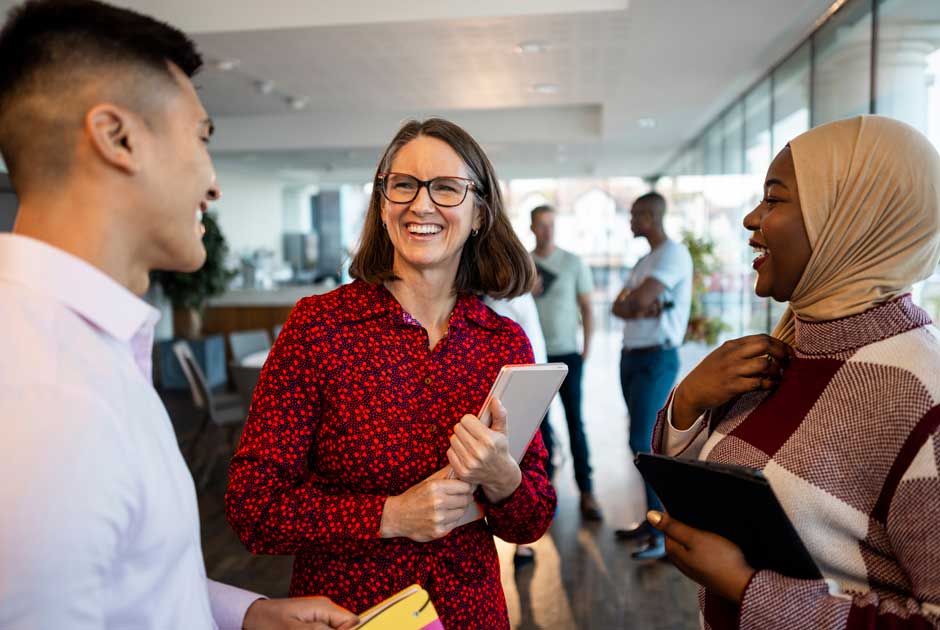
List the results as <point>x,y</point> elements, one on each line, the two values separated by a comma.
<point>383,215</point>
<point>477,217</point>
<point>113,133</point>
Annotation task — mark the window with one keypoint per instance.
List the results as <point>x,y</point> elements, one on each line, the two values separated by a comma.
<point>842,75</point>
<point>791,97</point>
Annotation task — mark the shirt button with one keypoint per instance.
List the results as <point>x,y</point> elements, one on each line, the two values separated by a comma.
<point>432,429</point>
<point>427,380</point>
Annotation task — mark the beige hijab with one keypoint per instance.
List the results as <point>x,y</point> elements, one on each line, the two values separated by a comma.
<point>870,192</point>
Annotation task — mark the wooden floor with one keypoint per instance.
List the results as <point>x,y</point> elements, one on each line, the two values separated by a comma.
<point>582,577</point>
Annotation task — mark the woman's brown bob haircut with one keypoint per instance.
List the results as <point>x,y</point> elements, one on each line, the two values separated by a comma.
<point>493,262</point>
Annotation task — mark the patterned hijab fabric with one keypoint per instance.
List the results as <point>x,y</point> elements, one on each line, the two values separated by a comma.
<point>869,189</point>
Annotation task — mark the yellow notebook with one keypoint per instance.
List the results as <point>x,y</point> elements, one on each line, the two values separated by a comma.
<point>410,609</point>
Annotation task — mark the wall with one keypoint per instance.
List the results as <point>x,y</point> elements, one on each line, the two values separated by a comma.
<point>251,210</point>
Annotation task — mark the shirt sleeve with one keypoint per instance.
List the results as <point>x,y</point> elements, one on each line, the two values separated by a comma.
<point>674,265</point>
<point>272,502</point>
<point>525,515</point>
<point>229,604</point>
<point>913,528</point>
<point>585,282</point>
<point>677,442</point>
<point>668,440</point>
<point>69,500</point>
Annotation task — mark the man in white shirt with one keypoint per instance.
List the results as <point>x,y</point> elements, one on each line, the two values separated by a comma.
<point>654,305</point>
<point>105,140</point>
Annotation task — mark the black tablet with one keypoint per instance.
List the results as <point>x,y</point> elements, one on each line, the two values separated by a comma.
<point>735,502</point>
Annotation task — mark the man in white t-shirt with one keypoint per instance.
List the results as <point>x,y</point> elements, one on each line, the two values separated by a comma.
<point>654,305</point>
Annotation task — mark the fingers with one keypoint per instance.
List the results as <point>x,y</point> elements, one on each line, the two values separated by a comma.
<point>760,366</point>
<point>676,530</point>
<point>452,487</point>
<point>498,416</point>
<point>337,616</point>
<point>757,345</point>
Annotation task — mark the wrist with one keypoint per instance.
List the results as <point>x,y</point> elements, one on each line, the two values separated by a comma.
<point>684,411</point>
<point>254,615</point>
<point>388,526</point>
<point>506,483</point>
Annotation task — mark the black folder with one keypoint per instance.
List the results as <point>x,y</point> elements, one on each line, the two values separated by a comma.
<point>735,502</point>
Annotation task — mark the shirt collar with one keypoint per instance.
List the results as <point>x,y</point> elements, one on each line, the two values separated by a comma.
<point>380,301</point>
<point>79,286</point>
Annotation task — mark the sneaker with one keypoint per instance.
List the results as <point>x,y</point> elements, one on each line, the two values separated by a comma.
<point>654,550</point>
<point>635,531</point>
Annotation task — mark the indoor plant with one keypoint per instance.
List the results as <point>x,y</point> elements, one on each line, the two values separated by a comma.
<point>701,327</point>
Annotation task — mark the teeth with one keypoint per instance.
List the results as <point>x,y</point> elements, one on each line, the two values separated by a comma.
<point>424,229</point>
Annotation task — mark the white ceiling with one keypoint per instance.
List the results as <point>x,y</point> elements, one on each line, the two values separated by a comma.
<point>365,65</point>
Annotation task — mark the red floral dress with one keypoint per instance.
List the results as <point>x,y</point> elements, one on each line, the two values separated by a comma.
<point>353,407</point>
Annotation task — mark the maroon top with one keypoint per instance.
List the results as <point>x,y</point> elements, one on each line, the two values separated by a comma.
<point>353,407</point>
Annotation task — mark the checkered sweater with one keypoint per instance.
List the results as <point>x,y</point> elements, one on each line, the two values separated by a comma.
<point>850,442</point>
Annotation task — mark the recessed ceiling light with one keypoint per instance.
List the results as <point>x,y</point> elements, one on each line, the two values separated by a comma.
<point>226,65</point>
<point>264,86</point>
<point>531,47</point>
<point>646,123</point>
<point>544,88</point>
<point>297,103</point>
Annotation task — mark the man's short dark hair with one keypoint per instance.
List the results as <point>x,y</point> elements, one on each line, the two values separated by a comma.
<point>540,210</point>
<point>53,52</point>
<point>653,198</point>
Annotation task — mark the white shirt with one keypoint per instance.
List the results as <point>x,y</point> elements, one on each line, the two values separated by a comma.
<point>670,264</point>
<point>99,527</point>
<point>522,310</point>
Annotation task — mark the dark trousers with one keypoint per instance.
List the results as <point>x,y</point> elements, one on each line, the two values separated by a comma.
<point>646,378</point>
<point>571,400</point>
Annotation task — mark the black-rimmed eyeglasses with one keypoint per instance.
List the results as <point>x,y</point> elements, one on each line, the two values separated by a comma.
<point>444,191</point>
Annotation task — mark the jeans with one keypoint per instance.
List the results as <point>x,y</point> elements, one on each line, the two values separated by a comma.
<point>571,400</point>
<point>646,378</point>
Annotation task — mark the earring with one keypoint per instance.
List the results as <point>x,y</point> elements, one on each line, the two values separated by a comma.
<point>474,232</point>
<point>384,227</point>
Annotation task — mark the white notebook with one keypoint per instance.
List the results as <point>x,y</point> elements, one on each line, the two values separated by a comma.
<point>526,392</point>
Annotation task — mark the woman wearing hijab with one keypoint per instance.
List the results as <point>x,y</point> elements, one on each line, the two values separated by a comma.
<point>840,410</point>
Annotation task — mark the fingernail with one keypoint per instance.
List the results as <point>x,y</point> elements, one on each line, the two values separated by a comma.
<point>654,517</point>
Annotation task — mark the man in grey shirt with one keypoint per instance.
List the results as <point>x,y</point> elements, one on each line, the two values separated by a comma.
<point>564,304</point>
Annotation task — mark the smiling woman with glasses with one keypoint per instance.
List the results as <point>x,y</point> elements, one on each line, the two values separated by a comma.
<point>359,455</point>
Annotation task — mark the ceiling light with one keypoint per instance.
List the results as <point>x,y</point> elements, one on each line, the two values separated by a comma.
<point>646,123</point>
<point>544,88</point>
<point>227,65</point>
<point>264,86</point>
<point>297,103</point>
<point>531,47</point>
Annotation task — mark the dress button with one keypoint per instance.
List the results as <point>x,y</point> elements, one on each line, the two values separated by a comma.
<point>432,429</point>
<point>427,380</point>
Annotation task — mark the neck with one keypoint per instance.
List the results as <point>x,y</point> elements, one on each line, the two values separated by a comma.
<point>428,295</point>
<point>82,227</point>
<point>656,238</point>
<point>544,250</point>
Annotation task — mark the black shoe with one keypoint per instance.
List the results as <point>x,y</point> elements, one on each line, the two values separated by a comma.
<point>639,530</point>
<point>654,550</point>
<point>590,510</point>
<point>523,557</point>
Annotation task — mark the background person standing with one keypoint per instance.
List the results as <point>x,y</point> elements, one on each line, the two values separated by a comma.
<point>564,303</point>
<point>655,305</point>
